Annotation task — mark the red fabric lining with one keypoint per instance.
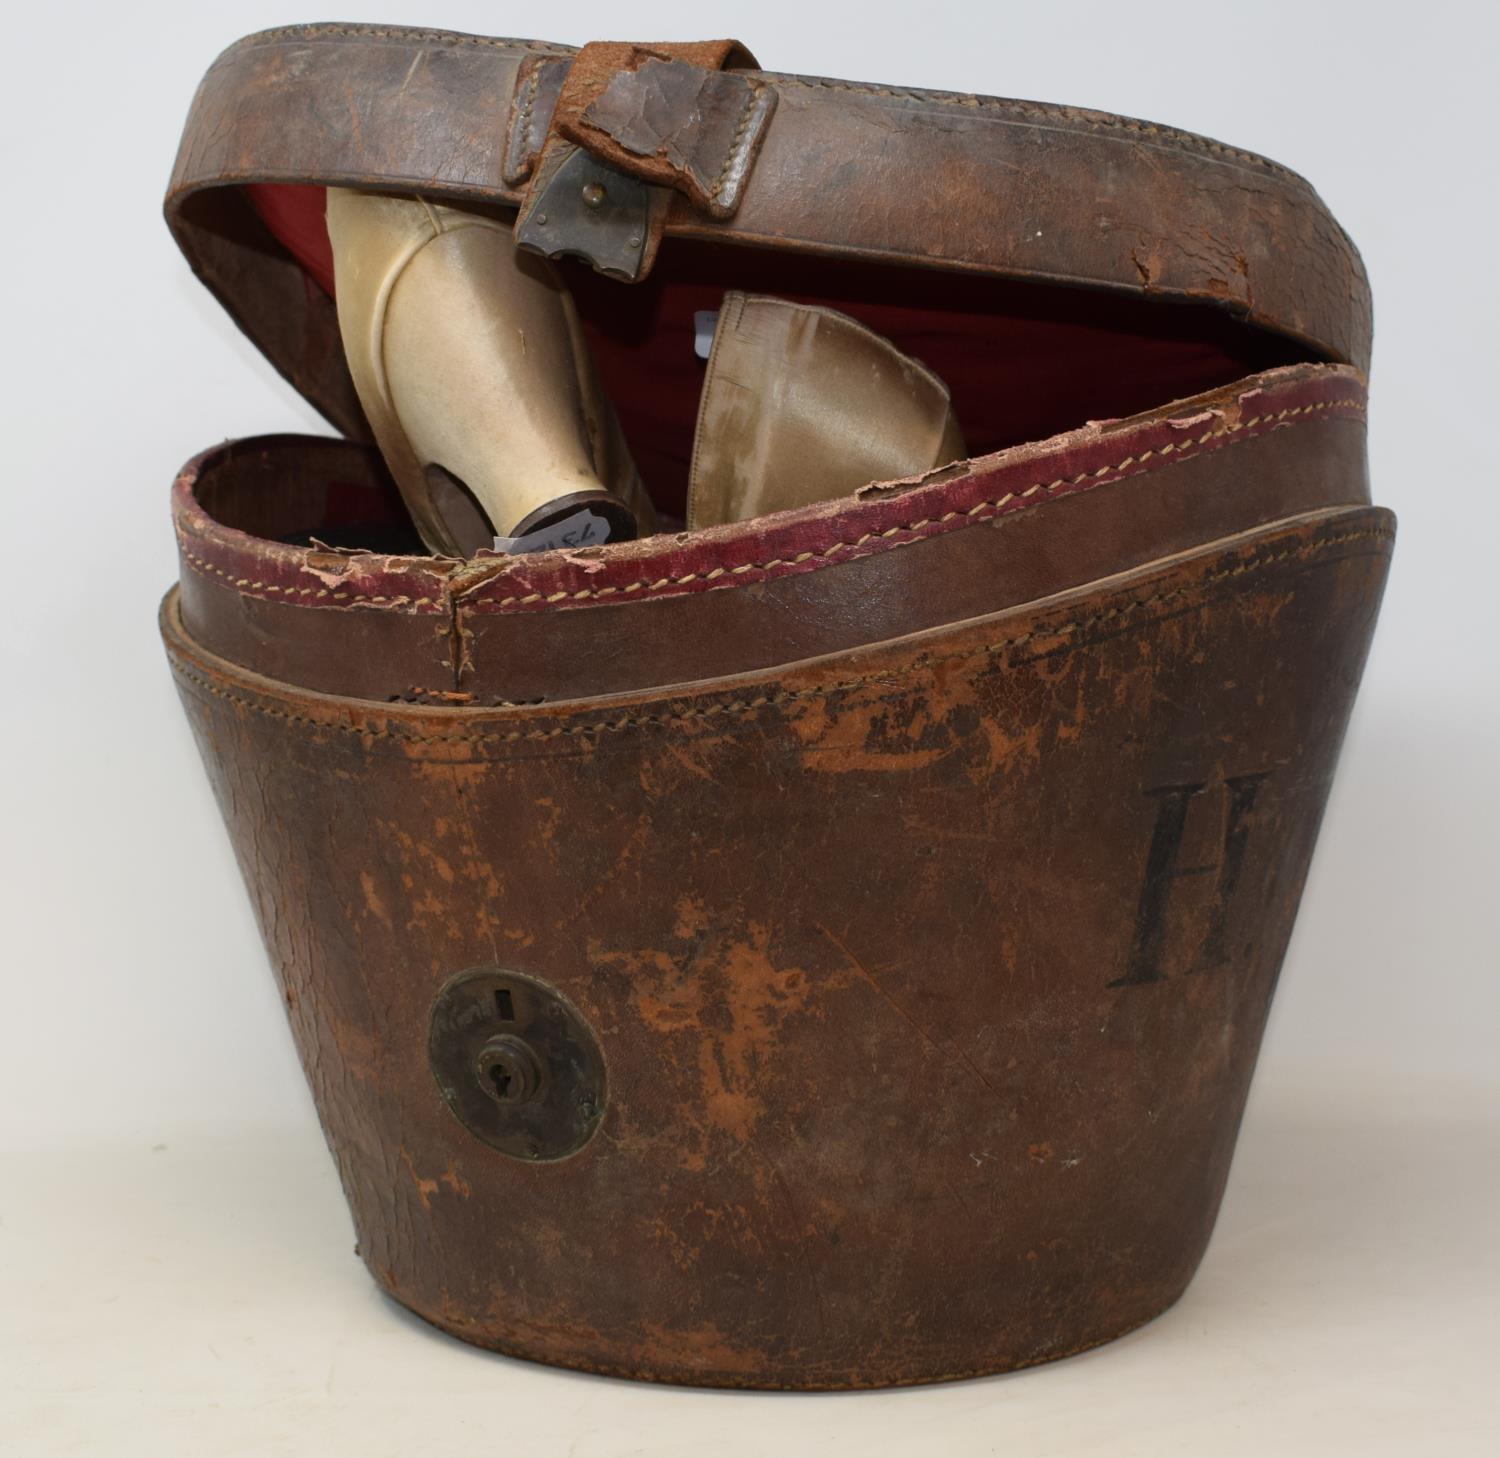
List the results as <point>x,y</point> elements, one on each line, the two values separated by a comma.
<point>294,214</point>
<point>1024,361</point>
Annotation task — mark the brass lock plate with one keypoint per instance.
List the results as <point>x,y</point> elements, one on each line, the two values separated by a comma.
<point>516,1064</point>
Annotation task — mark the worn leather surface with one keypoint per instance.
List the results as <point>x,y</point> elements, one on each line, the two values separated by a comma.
<point>929,977</point>
<point>1009,528</point>
<point>921,862</point>
<point>1017,189</point>
<point>666,115</point>
<point>673,115</point>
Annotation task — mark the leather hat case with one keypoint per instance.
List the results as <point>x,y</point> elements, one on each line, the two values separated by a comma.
<point>830,949</point>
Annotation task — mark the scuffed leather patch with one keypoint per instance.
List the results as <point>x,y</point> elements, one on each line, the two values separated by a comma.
<point>684,127</point>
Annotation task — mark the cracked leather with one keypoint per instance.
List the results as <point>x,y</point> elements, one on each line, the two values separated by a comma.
<point>1104,201</point>
<point>921,862</point>
<point>849,932</point>
<point>678,125</point>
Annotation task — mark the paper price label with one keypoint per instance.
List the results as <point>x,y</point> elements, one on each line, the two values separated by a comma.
<point>583,528</point>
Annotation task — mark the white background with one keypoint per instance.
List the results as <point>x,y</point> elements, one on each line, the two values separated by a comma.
<point>175,1274</point>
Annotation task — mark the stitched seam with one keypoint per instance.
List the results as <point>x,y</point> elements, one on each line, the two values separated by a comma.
<point>982,510</point>
<point>1041,111</point>
<point>1179,450</point>
<point>533,85</point>
<point>1188,141</point>
<point>738,708</point>
<point>247,587</point>
<point>736,141</point>
<point>445,698</point>
<point>398,32</point>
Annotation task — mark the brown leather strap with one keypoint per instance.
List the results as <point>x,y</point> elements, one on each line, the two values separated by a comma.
<point>673,115</point>
<point>670,116</point>
<point>990,186</point>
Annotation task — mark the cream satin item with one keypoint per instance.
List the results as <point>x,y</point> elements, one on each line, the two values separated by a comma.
<point>802,404</point>
<point>475,377</point>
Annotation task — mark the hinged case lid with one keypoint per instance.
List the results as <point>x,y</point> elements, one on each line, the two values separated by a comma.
<point>1015,206</point>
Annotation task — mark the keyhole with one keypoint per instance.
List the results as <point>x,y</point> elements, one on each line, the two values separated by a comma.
<point>515,1065</point>
<point>509,1070</point>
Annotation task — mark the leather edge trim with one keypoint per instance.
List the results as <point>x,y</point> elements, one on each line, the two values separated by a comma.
<point>1057,624</point>
<point>880,517</point>
<point>1054,113</point>
<point>1332,332</point>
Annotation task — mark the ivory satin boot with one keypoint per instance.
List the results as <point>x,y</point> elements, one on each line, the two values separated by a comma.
<point>475,377</point>
<point>802,404</point>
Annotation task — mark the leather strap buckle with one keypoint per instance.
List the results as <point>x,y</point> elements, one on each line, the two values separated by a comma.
<point>632,125</point>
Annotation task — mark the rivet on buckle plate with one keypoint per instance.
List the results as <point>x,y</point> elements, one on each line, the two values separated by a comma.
<point>586,209</point>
